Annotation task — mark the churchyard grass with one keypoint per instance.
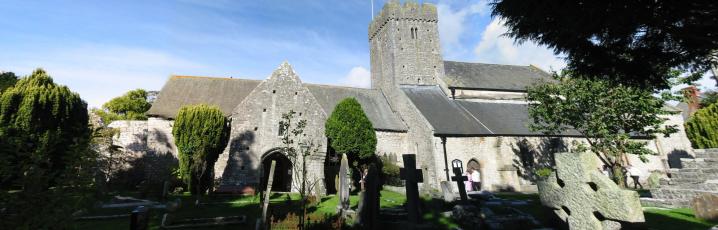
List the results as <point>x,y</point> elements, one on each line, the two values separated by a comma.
<point>241,205</point>
<point>656,218</point>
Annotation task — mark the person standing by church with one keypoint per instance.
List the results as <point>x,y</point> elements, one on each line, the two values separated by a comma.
<point>634,173</point>
<point>476,179</point>
<point>468,185</point>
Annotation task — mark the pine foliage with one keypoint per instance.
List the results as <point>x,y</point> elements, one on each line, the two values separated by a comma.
<point>44,139</point>
<point>702,128</point>
<point>350,131</point>
<point>201,133</point>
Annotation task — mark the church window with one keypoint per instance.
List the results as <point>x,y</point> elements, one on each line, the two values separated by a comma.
<point>274,91</point>
<point>255,128</point>
<point>264,110</point>
<point>295,93</point>
<point>282,130</point>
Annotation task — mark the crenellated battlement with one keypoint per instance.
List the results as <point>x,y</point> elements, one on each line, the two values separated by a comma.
<point>409,11</point>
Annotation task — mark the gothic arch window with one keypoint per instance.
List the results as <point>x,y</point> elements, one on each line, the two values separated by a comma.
<point>414,32</point>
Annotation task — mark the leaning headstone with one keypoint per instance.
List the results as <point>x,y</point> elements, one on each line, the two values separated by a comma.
<point>369,206</point>
<point>705,206</point>
<point>460,182</point>
<point>586,199</point>
<point>447,191</point>
<point>139,218</point>
<point>343,192</point>
<point>412,176</point>
<point>267,192</point>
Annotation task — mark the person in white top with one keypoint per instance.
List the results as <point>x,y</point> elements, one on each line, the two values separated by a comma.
<point>634,173</point>
<point>468,184</point>
<point>476,179</point>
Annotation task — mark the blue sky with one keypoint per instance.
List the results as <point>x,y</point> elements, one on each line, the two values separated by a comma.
<point>102,49</point>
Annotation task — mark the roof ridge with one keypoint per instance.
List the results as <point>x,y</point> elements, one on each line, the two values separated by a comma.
<point>172,77</point>
<point>482,63</point>
<point>338,86</point>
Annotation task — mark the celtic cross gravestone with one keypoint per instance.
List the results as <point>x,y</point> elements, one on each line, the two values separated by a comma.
<point>584,198</point>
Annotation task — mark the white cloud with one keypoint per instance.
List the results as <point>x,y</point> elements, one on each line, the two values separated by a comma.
<point>453,24</point>
<point>357,77</point>
<point>494,47</point>
<point>101,72</point>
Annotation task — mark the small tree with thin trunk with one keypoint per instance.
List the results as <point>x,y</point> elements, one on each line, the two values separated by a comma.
<point>298,149</point>
<point>608,116</point>
<point>201,133</point>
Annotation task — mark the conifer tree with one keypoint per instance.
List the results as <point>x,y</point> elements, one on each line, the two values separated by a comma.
<point>201,132</point>
<point>350,131</point>
<point>44,134</point>
<point>702,128</point>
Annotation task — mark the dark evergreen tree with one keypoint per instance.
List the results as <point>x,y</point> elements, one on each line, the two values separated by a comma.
<point>201,133</point>
<point>7,79</point>
<point>631,41</point>
<point>44,134</point>
<point>350,131</point>
<point>702,127</point>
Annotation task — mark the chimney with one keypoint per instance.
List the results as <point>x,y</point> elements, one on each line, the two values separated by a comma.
<point>690,95</point>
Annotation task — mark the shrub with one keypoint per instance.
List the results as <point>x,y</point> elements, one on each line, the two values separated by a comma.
<point>702,128</point>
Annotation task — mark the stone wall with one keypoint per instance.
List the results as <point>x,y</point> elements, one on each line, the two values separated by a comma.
<point>255,129</point>
<point>505,162</point>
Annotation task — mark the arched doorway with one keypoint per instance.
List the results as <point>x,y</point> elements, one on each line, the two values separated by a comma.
<point>282,181</point>
<point>474,165</point>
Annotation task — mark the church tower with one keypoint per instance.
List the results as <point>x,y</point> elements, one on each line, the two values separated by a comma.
<point>404,46</point>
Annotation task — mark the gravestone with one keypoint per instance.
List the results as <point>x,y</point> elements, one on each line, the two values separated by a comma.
<point>261,223</point>
<point>139,218</point>
<point>586,199</point>
<point>343,185</point>
<point>460,182</point>
<point>369,201</point>
<point>447,191</point>
<point>705,206</point>
<point>412,176</point>
<point>165,190</point>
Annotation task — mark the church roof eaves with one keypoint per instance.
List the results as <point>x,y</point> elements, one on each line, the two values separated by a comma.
<point>493,77</point>
<point>226,93</point>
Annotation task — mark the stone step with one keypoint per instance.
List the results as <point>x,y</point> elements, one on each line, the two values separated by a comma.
<point>707,155</point>
<point>662,203</point>
<point>676,181</point>
<point>714,150</point>
<point>693,186</point>
<point>688,163</point>
<point>678,194</point>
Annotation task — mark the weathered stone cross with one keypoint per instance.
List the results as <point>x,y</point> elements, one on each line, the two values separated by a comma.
<point>460,182</point>
<point>411,175</point>
<point>586,199</point>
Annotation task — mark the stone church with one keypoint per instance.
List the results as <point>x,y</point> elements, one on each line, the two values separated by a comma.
<point>446,112</point>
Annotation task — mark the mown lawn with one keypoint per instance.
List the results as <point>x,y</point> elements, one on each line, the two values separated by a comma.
<point>656,218</point>
<point>280,206</point>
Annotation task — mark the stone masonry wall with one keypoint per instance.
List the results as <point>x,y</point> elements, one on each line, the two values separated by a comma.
<point>255,129</point>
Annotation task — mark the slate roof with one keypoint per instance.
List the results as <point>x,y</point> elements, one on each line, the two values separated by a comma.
<point>445,116</point>
<point>492,76</point>
<point>227,93</point>
<point>188,90</point>
<point>372,101</point>
<point>471,118</point>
